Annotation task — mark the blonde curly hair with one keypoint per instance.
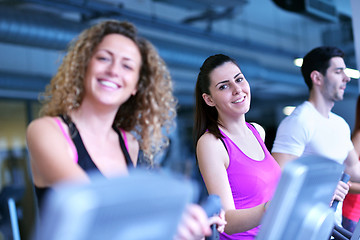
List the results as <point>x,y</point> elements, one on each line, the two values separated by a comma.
<point>153,106</point>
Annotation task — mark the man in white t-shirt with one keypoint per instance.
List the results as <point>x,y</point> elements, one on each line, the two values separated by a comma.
<point>312,129</point>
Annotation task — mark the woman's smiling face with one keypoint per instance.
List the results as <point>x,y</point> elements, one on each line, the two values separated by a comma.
<point>113,70</point>
<point>229,90</point>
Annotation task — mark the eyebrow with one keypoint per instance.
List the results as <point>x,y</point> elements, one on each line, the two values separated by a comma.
<point>104,50</point>
<point>236,75</point>
<point>112,54</point>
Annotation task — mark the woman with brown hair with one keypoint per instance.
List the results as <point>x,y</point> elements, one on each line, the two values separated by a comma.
<point>110,98</point>
<point>233,159</point>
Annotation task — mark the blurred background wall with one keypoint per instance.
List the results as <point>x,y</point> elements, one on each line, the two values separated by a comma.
<point>264,36</point>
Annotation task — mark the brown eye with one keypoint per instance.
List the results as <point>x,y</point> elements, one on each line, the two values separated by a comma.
<point>127,67</point>
<point>103,59</point>
<point>222,87</point>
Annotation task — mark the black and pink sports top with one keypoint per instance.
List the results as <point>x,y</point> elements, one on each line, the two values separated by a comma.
<point>81,156</point>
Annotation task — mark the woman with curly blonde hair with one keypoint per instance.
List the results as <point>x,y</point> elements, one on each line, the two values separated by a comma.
<point>110,98</point>
<point>152,107</point>
<point>111,86</point>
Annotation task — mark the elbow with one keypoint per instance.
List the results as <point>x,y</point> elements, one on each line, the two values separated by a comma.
<point>243,220</point>
<point>233,227</point>
<point>229,230</point>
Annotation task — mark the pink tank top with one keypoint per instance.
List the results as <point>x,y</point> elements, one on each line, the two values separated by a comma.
<point>252,182</point>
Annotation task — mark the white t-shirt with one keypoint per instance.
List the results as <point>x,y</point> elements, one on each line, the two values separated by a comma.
<point>306,132</point>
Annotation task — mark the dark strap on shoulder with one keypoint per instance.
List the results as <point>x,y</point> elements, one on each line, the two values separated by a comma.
<point>129,163</point>
<point>72,128</point>
<point>254,127</point>
<point>222,140</point>
<point>73,131</point>
<point>84,159</point>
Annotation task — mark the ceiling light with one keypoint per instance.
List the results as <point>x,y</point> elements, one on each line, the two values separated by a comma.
<point>298,62</point>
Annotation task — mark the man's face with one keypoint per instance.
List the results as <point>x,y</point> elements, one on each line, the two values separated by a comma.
<point>335,80</point>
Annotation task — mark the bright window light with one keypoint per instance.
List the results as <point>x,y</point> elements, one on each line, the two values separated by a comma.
<point>352,73</point>
<point>288,110</point>
<point>298,62</point>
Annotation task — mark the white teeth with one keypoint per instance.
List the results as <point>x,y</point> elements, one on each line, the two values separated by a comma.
<point>109,84</point>
<point>239,100</point>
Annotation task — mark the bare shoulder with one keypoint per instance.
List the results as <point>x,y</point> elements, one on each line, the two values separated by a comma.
<point>210,148</point>
<point>208,138</point>
<point>44,132</point>
<point>260,130</point>
<point>51,156</point>
<point>40,126</point>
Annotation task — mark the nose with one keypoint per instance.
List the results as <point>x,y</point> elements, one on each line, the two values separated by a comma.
<point>114,69</point>
<point>346,78</point>
<point>236,89</point>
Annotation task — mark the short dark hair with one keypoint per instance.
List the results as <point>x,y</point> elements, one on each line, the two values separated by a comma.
<point>318,59</point>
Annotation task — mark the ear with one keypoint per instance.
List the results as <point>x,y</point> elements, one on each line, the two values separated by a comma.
<point>208,100</point>
<point>316,77</point>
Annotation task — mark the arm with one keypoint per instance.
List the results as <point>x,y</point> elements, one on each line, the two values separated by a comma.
<point>195,224</point>
<point>51,157</point>
<point>213,160</point>
<point>290,141</point>
<point>283,158</point>
<point>354,186</point>
<point>356,140</point>
<point>352,166</point>
<point>341,189</point>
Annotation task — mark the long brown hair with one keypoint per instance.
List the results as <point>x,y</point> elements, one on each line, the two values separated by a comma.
<point>206,117</point>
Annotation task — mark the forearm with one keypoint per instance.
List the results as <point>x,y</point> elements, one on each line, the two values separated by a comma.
<point>354,173</point>
<point>352,166</point>
<point>283,158</point>
<point>242,220</point>
<point>354,188</point>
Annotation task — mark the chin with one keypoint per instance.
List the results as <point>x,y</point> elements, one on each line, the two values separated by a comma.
<point>247,109</point>
<point>339,98</point>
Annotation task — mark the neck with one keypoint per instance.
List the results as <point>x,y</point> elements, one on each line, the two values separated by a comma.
<point>94,120</point>
<point>236,127</point>
<point>322,105</point>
